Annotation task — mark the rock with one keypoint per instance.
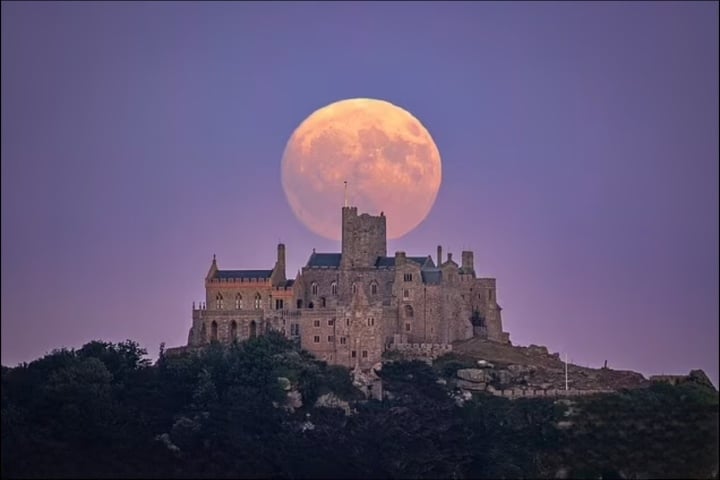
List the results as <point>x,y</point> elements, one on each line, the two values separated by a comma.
<point>330,400</point>
<point>504,377</point>
<point>441,381</point>
<point>537,349</point>
<point>699,376</point>
<point>472,375</point>
<point>284,383</point>
<point>477,386</point>
<point>294,399</point>
<point>485,364</point>
<point>519,369</point>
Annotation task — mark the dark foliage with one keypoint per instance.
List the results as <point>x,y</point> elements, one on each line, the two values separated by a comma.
<point>103,411</point>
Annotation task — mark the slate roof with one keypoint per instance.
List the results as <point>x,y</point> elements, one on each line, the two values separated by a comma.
<point>432,276</point>
<point>324,260</point>
<point>243,273</point>
<point>390,261</point>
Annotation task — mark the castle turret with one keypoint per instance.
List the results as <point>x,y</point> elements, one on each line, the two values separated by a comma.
<point>363,238</point>
<point>278,273</point>
<point>213,269</point>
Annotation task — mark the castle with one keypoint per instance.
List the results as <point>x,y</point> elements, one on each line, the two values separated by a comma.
<point>347,308</point>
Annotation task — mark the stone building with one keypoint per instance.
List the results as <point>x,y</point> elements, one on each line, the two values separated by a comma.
<point>348,307</point>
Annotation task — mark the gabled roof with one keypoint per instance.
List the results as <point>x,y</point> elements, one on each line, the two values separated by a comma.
<point>243,274</point>
<point>324,260</point>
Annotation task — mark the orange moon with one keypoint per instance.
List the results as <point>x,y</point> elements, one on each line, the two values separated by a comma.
<point>388,158</point>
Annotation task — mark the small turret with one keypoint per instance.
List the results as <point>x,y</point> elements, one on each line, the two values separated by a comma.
<point>213,269</point>
<point>468,262</point>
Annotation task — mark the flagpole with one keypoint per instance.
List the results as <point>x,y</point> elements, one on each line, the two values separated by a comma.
<point>566,373</point>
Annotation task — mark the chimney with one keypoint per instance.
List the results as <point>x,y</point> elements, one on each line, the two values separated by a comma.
<point>467,261</point>
<point>399,259</point>
<point>439,255</point>
<point>449,257</point>
<point>279,270</point>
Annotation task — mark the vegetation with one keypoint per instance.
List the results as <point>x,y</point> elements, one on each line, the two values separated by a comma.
<point>104,411</point>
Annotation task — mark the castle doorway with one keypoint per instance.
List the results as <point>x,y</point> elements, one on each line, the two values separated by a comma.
<point>233,331</point>
<point>213,331</point>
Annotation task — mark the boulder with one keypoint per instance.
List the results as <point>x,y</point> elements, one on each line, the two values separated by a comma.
<point>284,383</point>
<point>472,375</point>
<point>484,364</point>
<point>330,400</point>
<point>466,385</point>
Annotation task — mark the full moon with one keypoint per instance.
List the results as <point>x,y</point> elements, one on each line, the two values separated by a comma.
<point>387,157</point>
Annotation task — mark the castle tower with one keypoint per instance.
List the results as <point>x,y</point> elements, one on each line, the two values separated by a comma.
<point>363,239</point>
<point>468,262</point>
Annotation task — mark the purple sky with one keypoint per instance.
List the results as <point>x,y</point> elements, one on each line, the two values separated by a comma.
<point>579,146</point>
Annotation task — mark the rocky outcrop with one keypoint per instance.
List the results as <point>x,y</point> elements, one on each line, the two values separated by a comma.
<point>330,400</point>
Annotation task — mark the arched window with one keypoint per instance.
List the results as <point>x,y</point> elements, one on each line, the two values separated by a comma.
<point>333,288</point>
<point>238,302</point>
<point>219,301</point>
<point>258,298</point>
<point>323,303</point>
<point>314,288</point>
<point>233,331</point>
<point>213,331</point>
<point>373,288</point>
<point>408,311</point>
<point>253,329</point>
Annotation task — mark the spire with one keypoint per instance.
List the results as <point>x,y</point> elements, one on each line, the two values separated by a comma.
<point>213,269</point>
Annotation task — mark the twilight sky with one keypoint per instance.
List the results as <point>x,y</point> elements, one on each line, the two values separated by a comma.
<point>579,145</point>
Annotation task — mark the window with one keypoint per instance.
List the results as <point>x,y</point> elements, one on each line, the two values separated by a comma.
<point>331,322</point>
<point>258,298</point>
<point>409,313</point>
<point>322,302</point>
<point>373,288</point>
<point>278,304</point>
<point>294,329</point>
<point>364,353</point>
<point>233,330</point>
<point>219,301</point>
<point>407,326</point>
<point>331,338</point>
<point>299,303</point>
<point>353,354</point>
<point>406,294</point>
<point>407,277</point>
<point>333,288</point>
<point>316,339</point>
<point>213,331</point>
<point>314,288</point>
<point>238,301</point>
<point>342,340</point>
<point>354,288</point>
<point>316,323</point>
<point>347,322</point>
<point>370,322</point>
